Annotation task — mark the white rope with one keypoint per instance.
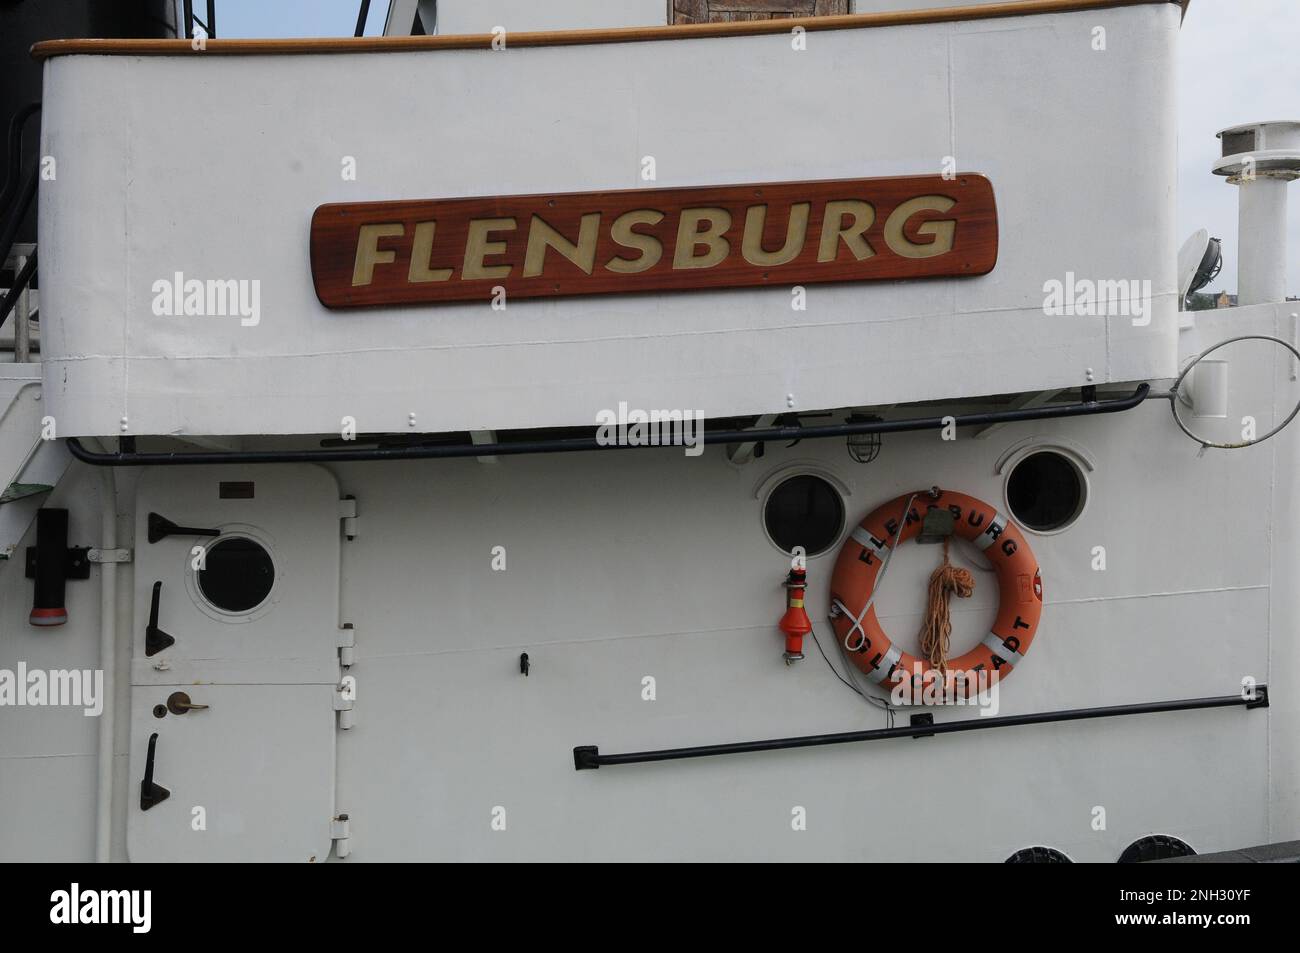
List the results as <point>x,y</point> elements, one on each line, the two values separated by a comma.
<point>884,568</point>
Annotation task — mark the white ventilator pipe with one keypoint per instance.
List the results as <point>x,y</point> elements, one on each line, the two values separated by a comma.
<point>108,664</point>
<point>1261,159</point>
<point>1261,240</point>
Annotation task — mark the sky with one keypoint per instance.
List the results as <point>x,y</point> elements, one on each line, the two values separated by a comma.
<point>1238,62</point>
<point>254,18</point>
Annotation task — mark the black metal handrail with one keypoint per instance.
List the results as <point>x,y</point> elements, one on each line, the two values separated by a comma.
<point>14,152</point>
<point>9,227</point>
<point>587,757</point>
<point>12,217</point>
<point>209,28</point>
<point>1090,406</point>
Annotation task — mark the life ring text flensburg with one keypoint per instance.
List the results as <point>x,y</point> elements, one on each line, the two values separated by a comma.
<point>1020,588</point>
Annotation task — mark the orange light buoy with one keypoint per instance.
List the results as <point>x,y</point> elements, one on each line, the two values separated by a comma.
<point>795,623</point>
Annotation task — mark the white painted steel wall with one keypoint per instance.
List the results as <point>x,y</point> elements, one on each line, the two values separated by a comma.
<point>651,563</point>
<point>212,166</point>
<point>623,565</point>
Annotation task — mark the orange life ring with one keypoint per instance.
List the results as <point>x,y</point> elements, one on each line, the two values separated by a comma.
<point>1020,587</point>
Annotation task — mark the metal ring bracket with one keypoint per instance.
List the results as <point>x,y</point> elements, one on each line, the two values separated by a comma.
<point>1176,393</point>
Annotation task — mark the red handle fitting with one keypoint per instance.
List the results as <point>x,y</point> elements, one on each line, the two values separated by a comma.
<point>795,623</point>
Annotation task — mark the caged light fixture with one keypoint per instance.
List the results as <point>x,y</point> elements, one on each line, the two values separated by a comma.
<point>863,447</point>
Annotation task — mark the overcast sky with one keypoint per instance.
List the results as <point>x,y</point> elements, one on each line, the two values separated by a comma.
<point>1239,62</point>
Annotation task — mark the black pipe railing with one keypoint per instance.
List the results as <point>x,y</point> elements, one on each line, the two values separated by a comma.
<point>14,152</point>
<point>10,226</point>
<point>18,211</point>
<point>130,458</point>
<point>587,757</point>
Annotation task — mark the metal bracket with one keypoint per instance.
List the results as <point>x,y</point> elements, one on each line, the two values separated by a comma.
<point>343,705</point>
<point>923,720</point>
<point>741,453</point>
<point>77,565</point>
<point>936,527</point>
<point>341,835</point>
<point>347,643</point>
<point>484,437</point>
<point>348,514</point>
<point>110,555</point>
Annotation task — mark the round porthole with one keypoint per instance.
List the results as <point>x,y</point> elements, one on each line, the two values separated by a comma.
<point>806,511</point>
<point>1038,855</point>
<point>1155,847</point>
<point>237,574</point>
<point>1046,491</point>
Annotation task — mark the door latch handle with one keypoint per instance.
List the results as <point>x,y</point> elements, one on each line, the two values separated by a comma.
<point>150,793</point>
<point>155,639</point>
<point>178,703</point>
<point>160,528</point>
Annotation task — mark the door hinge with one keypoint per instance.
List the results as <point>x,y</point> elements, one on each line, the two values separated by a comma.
<point>344,695</point>
<point>341,835</point>
<point>348,514</point>
<point>347,643</point>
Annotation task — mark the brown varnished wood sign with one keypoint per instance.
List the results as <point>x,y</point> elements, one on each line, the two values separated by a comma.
<point>735,236</point>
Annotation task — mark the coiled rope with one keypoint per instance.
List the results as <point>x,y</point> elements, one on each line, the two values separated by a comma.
<point>936,630</point>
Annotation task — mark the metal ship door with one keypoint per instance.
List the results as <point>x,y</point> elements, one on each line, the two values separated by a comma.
<point>235,674</point>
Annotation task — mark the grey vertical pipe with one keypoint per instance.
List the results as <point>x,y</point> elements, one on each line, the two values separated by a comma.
<point>22,314</point>
<point>108,664</point>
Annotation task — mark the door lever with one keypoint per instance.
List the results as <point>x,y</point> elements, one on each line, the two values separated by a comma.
<point>150,793</point>
<point>160,528</point>
<point>155,639</point>
<point>178,703</point>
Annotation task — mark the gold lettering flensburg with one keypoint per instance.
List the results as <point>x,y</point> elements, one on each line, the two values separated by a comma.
<point>735,236</point>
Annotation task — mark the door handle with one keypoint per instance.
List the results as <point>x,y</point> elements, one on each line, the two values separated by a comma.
<point>160,528</point>
<point>155,639</point>
<point>178,703</point>
<point>150,793</point>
